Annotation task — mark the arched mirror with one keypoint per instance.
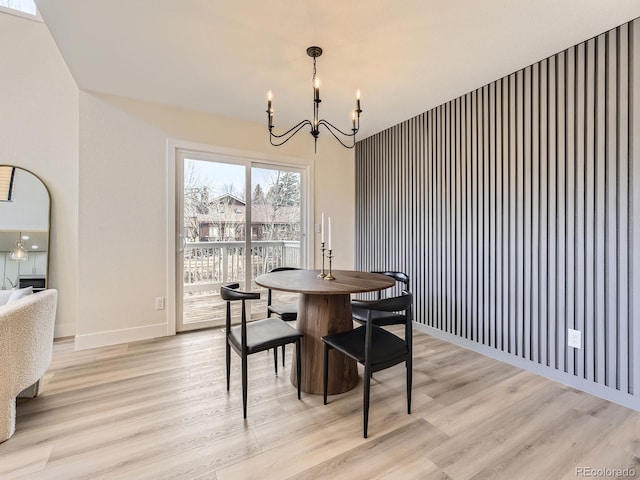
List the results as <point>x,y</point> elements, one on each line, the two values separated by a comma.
<point>25,213</point>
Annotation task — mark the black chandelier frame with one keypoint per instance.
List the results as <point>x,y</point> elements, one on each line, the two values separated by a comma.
<point>280,139</point>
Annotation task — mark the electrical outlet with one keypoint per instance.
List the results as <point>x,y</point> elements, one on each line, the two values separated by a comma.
<point>159,303</point>
<point>574,338</point>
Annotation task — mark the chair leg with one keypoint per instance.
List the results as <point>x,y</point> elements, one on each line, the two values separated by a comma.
<point>283,348</point>
<point>298,366</point>
<point>367,388</point>
<point>244,385</point>
<point>275,359</point>
<point>409,375</point>
<point>325,372</point>
<point>228,362</point>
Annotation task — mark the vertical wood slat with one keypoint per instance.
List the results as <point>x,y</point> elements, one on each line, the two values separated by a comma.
<point>611,208</point>
<point>458,217</point>
<point>551,216</point>
<point>470,274</point>
<point>474,216</point>
<point>600,320</point>
<point>527,174</point>
<point>580,193</point>
<point>519,272</point>
<point>512,199</point>
<point>561,213</point>
<point>570,196</point>
<point>623,60</point>
<point>542,317</point>
<point>534,206</point>
<point>589,211</point>
<point>634,208</point>
<point>515,210</point>
<point>486,320</point>
<point>498,213</point>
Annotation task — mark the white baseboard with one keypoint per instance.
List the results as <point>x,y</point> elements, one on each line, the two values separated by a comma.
<point>64,330</point>
<point>615,396</point>
<point>114,337</point>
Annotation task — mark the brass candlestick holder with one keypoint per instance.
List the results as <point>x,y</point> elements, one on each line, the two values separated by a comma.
<point>329,276</point>
<point>322,274</point>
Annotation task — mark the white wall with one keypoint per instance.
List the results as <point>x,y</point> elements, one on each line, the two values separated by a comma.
<point>39,132</point>
<point>122,264</point>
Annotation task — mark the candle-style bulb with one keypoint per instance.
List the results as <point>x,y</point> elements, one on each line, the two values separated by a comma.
<point>358,94</point>
<point>269,110</point>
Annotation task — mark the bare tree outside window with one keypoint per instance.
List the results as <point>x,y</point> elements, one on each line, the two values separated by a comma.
<point>278,211</point>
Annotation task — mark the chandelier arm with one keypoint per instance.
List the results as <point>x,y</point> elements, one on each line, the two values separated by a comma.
<point>331,127</point>
<point>295,130</point>
<point>295,127</point>
<point>338,138</point>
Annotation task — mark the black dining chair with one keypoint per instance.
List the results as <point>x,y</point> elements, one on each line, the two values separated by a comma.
<point>256,336</point>
<point>383,318</point>
<point>286,311</point>
<point>373,346</point>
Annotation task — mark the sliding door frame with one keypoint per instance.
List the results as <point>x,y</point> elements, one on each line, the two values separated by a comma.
<point>178,150</point>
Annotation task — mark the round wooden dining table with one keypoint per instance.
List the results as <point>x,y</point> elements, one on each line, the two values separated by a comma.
<point>324,308</point>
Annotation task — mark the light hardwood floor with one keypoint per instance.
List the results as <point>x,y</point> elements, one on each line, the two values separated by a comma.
<point>159,409</point>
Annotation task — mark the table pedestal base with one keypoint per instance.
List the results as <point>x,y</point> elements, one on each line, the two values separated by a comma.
<point>315,313</point>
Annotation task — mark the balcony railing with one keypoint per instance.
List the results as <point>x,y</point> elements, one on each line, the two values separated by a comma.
<point>207,265</point>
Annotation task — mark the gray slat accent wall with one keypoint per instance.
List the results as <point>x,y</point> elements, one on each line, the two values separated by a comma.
<point>515,210</point>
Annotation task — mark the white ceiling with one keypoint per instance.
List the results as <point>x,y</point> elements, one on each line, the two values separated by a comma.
<point>406,56</point>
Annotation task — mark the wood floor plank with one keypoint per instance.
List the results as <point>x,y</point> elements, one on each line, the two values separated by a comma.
<point>381,454</point>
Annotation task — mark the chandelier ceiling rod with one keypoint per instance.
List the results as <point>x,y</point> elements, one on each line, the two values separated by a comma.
<point>277,140</point>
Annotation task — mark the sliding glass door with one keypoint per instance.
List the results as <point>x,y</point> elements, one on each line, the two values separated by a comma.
<point>236,219</point>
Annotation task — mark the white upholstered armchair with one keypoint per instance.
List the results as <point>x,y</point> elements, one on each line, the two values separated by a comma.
<point>26,345</point>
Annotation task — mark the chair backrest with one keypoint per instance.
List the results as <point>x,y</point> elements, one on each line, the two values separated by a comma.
<point>391,304</point>
<point>400,277</point>
<point>399,303</point>
<point>278,269</point>
<point>230,293</point>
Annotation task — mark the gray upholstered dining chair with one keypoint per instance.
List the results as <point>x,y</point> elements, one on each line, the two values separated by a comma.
<point>253,337</point>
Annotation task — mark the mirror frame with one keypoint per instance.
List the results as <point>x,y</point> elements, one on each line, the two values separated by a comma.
<point>48,263</point>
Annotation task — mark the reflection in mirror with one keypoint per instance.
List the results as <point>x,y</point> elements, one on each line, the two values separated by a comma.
<point>24,229</point>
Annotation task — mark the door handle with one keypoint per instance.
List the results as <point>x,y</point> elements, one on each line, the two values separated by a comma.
<point>181,243</point>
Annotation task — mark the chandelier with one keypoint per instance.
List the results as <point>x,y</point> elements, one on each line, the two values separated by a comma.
<point>315,124</point>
